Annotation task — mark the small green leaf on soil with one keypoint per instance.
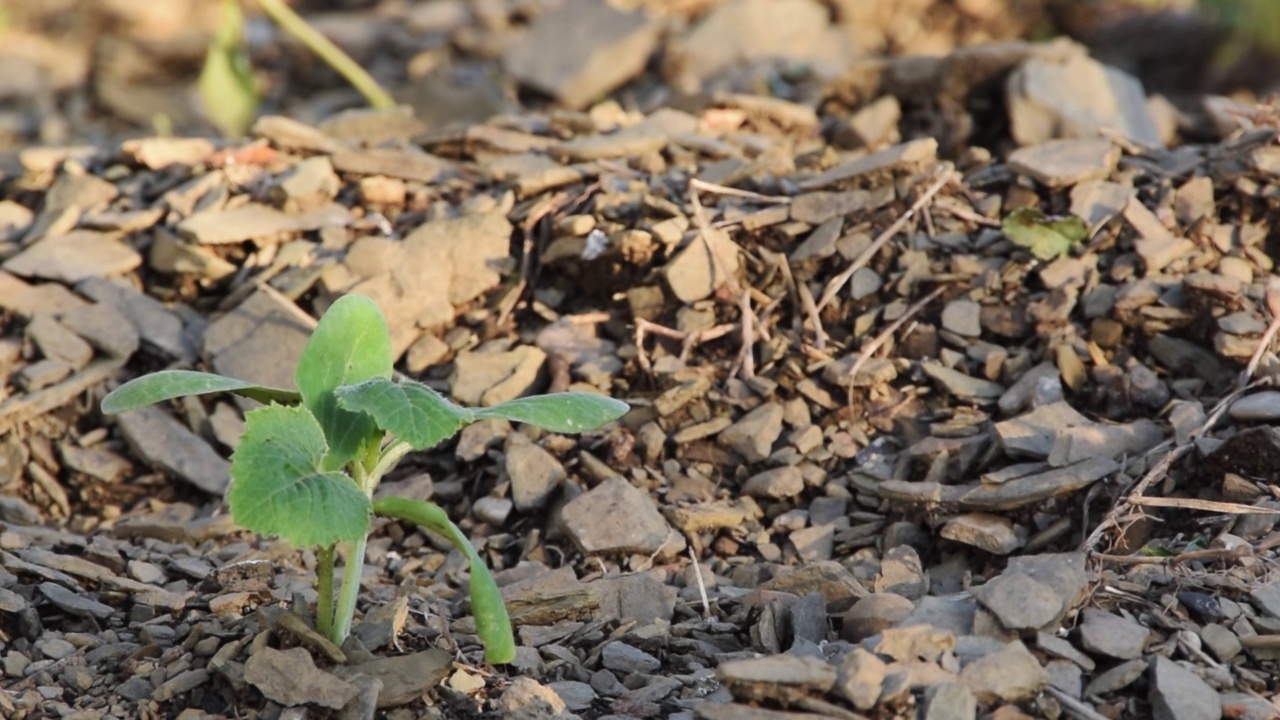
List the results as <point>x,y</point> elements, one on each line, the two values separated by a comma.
<point>351,344</point>
<point>169,384</point>
<point>410,410</point>
<point>279,488</point>
<point>1046,237</point>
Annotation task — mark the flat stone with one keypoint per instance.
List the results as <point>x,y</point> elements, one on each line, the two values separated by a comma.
<point>1010,675</point>
<point>820,206</point>
<point>1019,492</point>
<point>57,342</point>
<point>1062,163</point>
<point>776,676</point>
<point>624,658</point>
<point>75,256</point>
<point>260,340</point>
<point>963,317</point>
<point>836,584</point>
<point>753,435</point>
<point>78,605</point>
<point>290,677</point>
<point>1019,602</point>
<point>962,385</point>
<point>1108,634</point>
<point>105,328</point>
<point>1076,97</point>
<point>576,695</point>
<point>527,699</point>
<point>1116,678</point>
<point>776,484</point>
<point>741,32</point>
<point>1222,642</point>
<point>994,533</point>
<point>25,300</point>
<point>581,50</point>
<point>874,614</point>
<point>615,517</point>
<point>950,701</point>
<point>1097,201</point>
<point>254,221</point>
<point>167,445</point>
<point>160,152</point>
<point>489,378</point>
<point>702,266</point>
<point>1060,647</point>
<point>860,677</point>
<point>1180,694</point>
<point>310,184</point>
<point>404,678</point>
<point>1259,407</point>
<point>535,474</point>
<point>96,462</point>
<point>1090,440</point>
<point>402,164</point>
<point>42,374</point>
<point>635,596</point>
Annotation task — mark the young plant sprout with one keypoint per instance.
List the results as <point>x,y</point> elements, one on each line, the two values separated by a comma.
<point>309,461</point>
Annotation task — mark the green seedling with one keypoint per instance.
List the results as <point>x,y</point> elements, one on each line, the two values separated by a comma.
<point>1045,236</point>
<point>309,461</point>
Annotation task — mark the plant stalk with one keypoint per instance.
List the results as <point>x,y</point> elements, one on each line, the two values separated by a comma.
<point>346,612</point>
<point>324,578</point>
<point>285,17</point>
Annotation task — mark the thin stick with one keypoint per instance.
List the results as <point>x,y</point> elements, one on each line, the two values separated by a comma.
<point>697,184</point>
<point>837,283</point>
<point>1073,706</point>
<point>748,336</point>
<point>1206,505</point>
<point>1185,557</point>
<point>702,586</point>
<point>883,337</point>
<point>811,309</point>
<point>1273,300</point>
<point>285,17</point>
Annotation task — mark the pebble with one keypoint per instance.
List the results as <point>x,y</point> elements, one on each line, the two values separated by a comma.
<point>489,378</point>
<point>754,434</point>
<point>615,517</point>
<point>74,604</point>
<point>1180,694</point>
<point>75,256</point>
<point>623,658</point>
<point>1116,678</point>
<point>950,701</point>
<point>874,614</point>
<point>1019,602</point>
<point>859,678</point>
<point>404,678</point>
<point>535,474</point>
<point>1261,406</point>
<point>167,445</point>
<point>1108,634</point>
<point>1011,675</point>
<point>1062,163</point>
<point>994,533</point>
<point>702,266</point>
<point>963,317</point>
<point>776,484</point>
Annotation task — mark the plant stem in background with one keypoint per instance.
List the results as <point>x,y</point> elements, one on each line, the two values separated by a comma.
<point>324,581</point>
<point>285,17</point>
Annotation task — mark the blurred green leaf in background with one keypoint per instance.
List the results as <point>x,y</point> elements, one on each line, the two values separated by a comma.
<point>226,84</point>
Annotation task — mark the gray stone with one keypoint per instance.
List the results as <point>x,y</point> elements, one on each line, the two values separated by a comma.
<point>535,474</point>
<point>860,677</point>
<point>260,340</point>
<point>1019,602</point>
<point>774,675</point>
<point>1011,675</point>
<point>75,256</point>
<point>1180,694</point>
<point>404,678</point>
<point>702,266</point>
<point>1223,643</point>
<point>1116,678</point>
<point>160,328</point>
<point>615,517</point>
<point>74,604</point>
<point>576,695</point>
<point>1074,96</point>
<point>1062,163</point>
<point>167,445</point>
<point>579,51</point>
<point>754,434</point>
<point>492,510</point>
<point>624,658</point>
<point>1259,407</point>
<point>994,533</point>
<point>290,677</point>
<point>962,385</point>
<point>963,317</point>
<point>1108,634</point>
<point>950,701</point>
<point>874,614</point>
<point>106,328</point>
<point>57,342</point>
<point>489,378</point>
<point>775,484</point>
<point>1066,676</point>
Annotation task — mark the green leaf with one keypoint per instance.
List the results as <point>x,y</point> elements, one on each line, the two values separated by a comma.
<point>279,488</point>
<point>410,410</point>
<point>351,344</point>
<point>492,622</point>
<point>226,83</point>
<point>169,384</point>
<point>570,412</point>
<point>1046,237</point>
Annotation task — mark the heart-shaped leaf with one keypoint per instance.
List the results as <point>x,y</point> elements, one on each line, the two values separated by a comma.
<point>351,344</point>
<point>493,625</point>
<point>169,384</point>
<point>279,488</point>
<point>1046,237</point>
<point>410,410</point>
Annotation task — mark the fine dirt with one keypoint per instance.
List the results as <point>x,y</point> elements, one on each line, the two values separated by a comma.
<point>889,455</point>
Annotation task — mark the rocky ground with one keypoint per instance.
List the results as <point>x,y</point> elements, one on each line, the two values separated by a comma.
<point>889,455</point>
